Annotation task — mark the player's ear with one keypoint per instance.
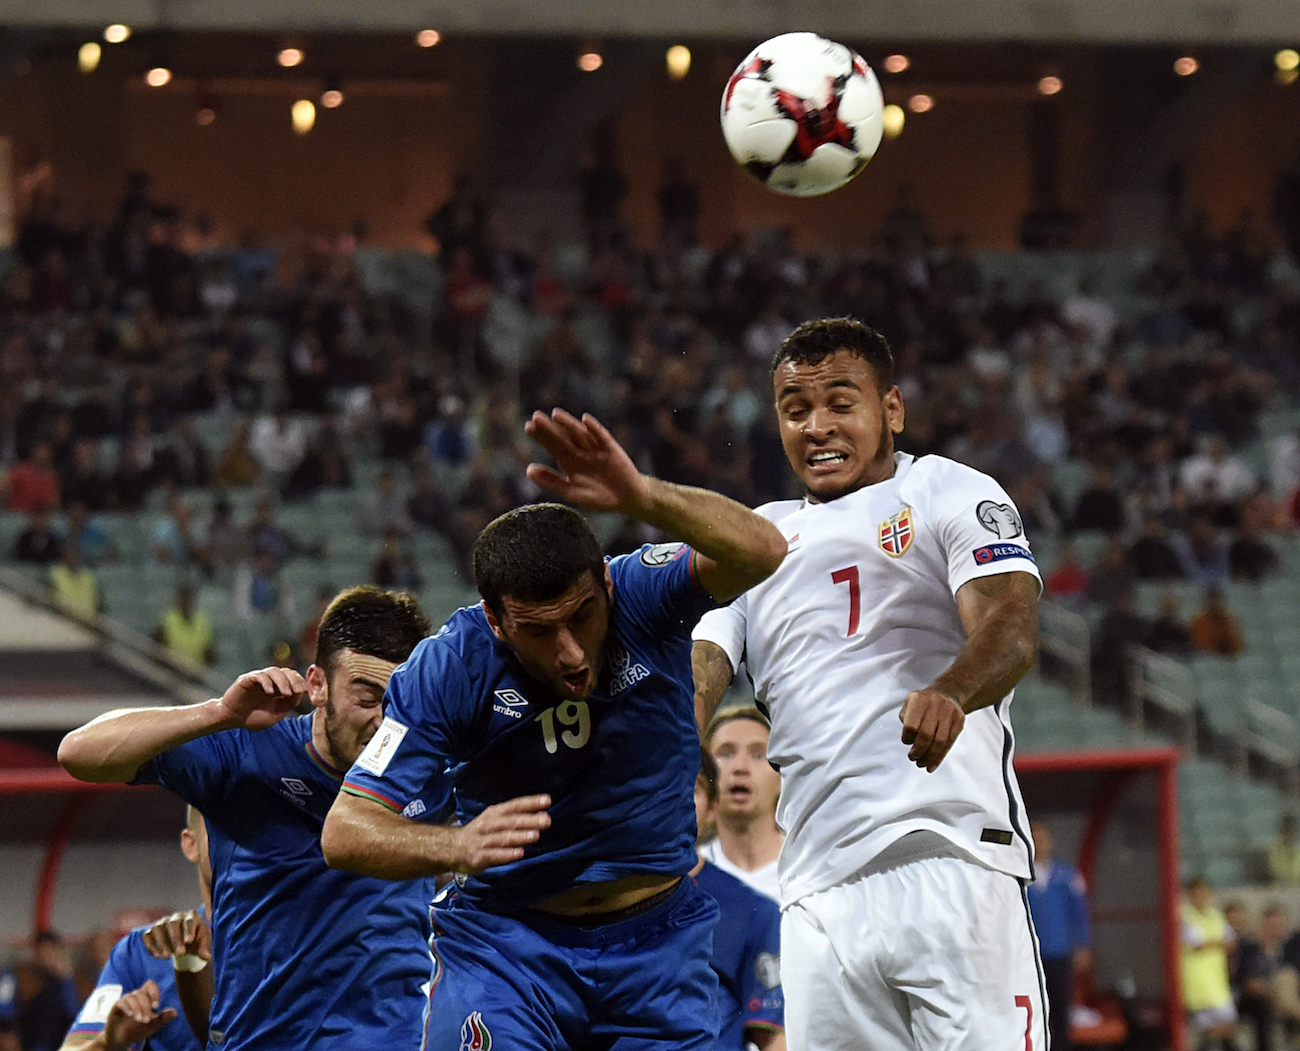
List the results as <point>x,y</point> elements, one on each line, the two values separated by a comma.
<point>493,623</point>
<point>892,404</point>
<point>189,846</point>
<point>318,686</point>
<point>609,583</point>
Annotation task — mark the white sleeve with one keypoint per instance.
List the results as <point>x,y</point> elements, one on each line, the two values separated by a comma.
<point>725,627</point>
<point>981,531</point>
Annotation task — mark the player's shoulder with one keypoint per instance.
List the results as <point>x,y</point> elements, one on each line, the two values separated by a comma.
<point>733,894</point>
<point>778,509</point>
<point>939,484</point>
<point>465,638</point>
<point>933,471</point>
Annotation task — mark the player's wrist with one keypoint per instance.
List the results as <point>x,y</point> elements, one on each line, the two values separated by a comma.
<point>189,962</point>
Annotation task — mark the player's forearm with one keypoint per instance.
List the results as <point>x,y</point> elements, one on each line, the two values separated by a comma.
<point>746,547</point>
<point>194,989</point>
<point>364,837</point>
<point>81,1042</point>
<point>712,672</point>
<point>996,656</point>
<point>114,746</point>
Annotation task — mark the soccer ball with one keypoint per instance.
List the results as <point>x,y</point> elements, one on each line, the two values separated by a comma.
<point>802,114</point>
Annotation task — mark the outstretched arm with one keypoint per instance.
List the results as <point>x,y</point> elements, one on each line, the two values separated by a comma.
<point>186,939</point>
<point>712,671</point>
<point>366,837</point>
<point>736,548</point>
<point>114,746</point>
<point>131,1021</point>
<point>1000,614</point>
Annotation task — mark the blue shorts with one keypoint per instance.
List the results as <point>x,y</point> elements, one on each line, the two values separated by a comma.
<point>528,983</point>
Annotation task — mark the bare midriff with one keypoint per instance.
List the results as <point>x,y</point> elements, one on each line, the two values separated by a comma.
<point>589,899</point>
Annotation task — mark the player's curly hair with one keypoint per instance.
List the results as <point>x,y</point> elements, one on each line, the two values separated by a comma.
<point>535,553</point>
<point>814,341</point>
<point>370,620</point>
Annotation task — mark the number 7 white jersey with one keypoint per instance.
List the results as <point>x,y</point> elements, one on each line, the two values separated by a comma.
<point>860,613</point>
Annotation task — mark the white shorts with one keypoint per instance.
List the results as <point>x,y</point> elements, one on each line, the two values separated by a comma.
<point>937,953</point>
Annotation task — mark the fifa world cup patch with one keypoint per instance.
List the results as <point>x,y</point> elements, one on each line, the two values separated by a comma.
<point>896,533</point>
<point>474,1034</point>
<point>379,752</point>
<point>998,552</point>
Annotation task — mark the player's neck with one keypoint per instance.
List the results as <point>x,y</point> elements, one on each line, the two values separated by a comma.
<point>750,844</point>
<point>321,742</point>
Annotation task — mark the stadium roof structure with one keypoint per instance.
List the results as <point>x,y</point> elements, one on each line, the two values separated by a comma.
<point>1063,21</point>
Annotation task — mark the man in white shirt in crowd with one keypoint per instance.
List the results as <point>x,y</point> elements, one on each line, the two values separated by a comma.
<point>748,840</point>
<point>884,650</point>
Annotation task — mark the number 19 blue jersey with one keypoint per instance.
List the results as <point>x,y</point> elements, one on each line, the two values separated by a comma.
<point>619,766</point>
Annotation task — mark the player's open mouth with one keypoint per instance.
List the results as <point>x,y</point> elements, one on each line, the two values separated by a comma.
<point>577,681</point>
<point>739,793</point>
<point>826,460</point>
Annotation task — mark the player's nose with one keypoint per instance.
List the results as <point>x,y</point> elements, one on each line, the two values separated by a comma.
<point>820,423</point>
<point>568,652</point>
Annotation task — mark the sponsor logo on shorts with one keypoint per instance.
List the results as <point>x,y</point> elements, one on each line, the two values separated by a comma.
<point>999,552</point>
<point>767,969</point>
<point>999,519</point>
<point>657,555</point>
<point>897,533</point>
<point>414,808</point>
<point>379,752</point>
<point>474,1034</point>
<point>510,703</point>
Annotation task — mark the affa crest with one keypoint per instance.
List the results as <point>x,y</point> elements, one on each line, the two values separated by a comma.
<point>474,1034</point>
<point>896,533</point>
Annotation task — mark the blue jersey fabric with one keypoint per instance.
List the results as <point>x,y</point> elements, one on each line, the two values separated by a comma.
<point>746,958</point>
<point>1058,902</point>
<point>129,966</point>
<point>304,955</point>
<point>619,767</point>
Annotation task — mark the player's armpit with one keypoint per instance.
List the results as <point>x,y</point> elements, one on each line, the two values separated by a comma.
<point>711,668</point>
<point>1000,614</point>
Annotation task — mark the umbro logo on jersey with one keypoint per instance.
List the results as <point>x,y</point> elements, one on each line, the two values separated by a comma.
<point>511,700</point>
<point>295,786</point>
<point>897,534</point>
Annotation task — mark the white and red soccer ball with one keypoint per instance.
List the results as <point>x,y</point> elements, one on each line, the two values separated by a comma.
<point>802,114</point>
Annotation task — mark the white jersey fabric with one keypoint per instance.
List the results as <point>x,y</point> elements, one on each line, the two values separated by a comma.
<point>764,880</point>
<point>861,612</point>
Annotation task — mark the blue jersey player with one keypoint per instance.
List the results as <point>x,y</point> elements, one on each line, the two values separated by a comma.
<point>560,712</point>
<point>304,956</point>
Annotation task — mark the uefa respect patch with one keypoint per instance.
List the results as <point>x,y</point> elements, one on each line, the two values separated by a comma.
<point>1000,552</point>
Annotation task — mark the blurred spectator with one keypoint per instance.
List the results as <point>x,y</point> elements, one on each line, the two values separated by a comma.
<point>426,506</point>
<point>1058,903</point>
<point>174,542</point>
<point>1205,559</point>
<point>1284,854</point>
<point>1216,480</point>
<point>1153,555</point>
<point>186,630</point>
<point>1284,465</point>
<point>237,466</point>
<point>1207,994</point>
<point>1068,582</point>
<point>1112,576</point>
<point>1168,634</point>
<point>1101,505</point>
<point>181,459</point>
<point>73,583</point>
<point>310,634</point>
<point>38,542</point>
<point>261,592</point>
<point>226,544</point>
<point>47,995</point>
<point>8,1032</point>
<point>84,481</point>
<point>33,485</point>
<point>1091,315</point>
<point>383,509</point>
<point>449,440</point>
<point>278,443</point>
<point>1214,629</point>
<point>1250,557</point>
<point>1120,628</point>
<point>267,537</point>
<point>395,568</point>
<point>1266,985</point>
<point>326,464</point>
<point>95,543</point>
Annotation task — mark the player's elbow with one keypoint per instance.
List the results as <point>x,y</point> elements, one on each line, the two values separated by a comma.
<point>338,842</point>
<point>767,554</point>
<point>82,760</point>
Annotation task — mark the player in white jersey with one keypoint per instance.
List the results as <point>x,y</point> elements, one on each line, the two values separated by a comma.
<point>885,650</point>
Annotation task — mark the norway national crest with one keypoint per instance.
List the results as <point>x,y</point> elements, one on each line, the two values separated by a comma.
<point>896,534</point>
<point>474,1034</point>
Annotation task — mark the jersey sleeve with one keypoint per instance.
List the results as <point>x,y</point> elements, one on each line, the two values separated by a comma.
<point>659,589</point>
<point>725,628</point>
<point>981,530</point>
<point>427,711</point>
<point>119,977</point>
<point>199,771</point>
<point>763,1002</point>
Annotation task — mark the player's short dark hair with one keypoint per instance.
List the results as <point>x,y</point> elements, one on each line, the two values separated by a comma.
<point>535,553</point>
<point>709,771</point>
<point>814,341</point>
<point>370,620</point>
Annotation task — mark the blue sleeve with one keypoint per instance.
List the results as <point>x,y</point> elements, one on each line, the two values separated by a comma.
<point>763,1002</point>
<point>428,713</point>
<point>659,589</point>
<point>200,771</point>
<point>119,977</point>
<point>1080,925</point>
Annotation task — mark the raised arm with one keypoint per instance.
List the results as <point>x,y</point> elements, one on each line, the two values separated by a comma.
<point>365,837</point>
<point>736,548</point>
<point>712,671</point>
<point>1000,614</point>
<point>114,746</point>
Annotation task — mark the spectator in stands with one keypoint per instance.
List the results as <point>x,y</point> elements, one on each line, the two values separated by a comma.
<point>326,464</point>
<point>260,591</point>
<point>226,544</point>
<point>237,466</point>
<point>186,630</point>
<point>73,583</point>
<point>1204,557</point>
<point>1216,480</point>
<point>1214,629</point>
<point>84,481</point>
<point>426,506</point>
<point>278,443</point>
<point>33,485</point>
<point>1068,582</point>
<point>1101,505</point>
<point>1168,634</point>
<point>1257,965</point>
<point>1119,629</point>
<point>267,537</point>
<point>47,999</point>
<point>9,1032</point>
<point>94,542</point>
<point>1112,575</point>
<point>1207,992</point>
<point>449,440</point>
<point>1091,316</point>
<point>174,541</point>
<point>182,460</point>
<point>1284,854</point>
<point>1058,902</point>
<point>1284,465</point>
<point>395,568</point>
<point>383,510</point>
<point>1153,555</point>
<point>38,542</point>
<point>1250,556</point>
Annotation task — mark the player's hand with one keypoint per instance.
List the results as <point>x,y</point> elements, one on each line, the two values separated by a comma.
<point>931,723</point>
<point>181,932</point>
<point>258,700</point>
<point>594,472</point>
<point>499,835</point>
<point>135,1018</point>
